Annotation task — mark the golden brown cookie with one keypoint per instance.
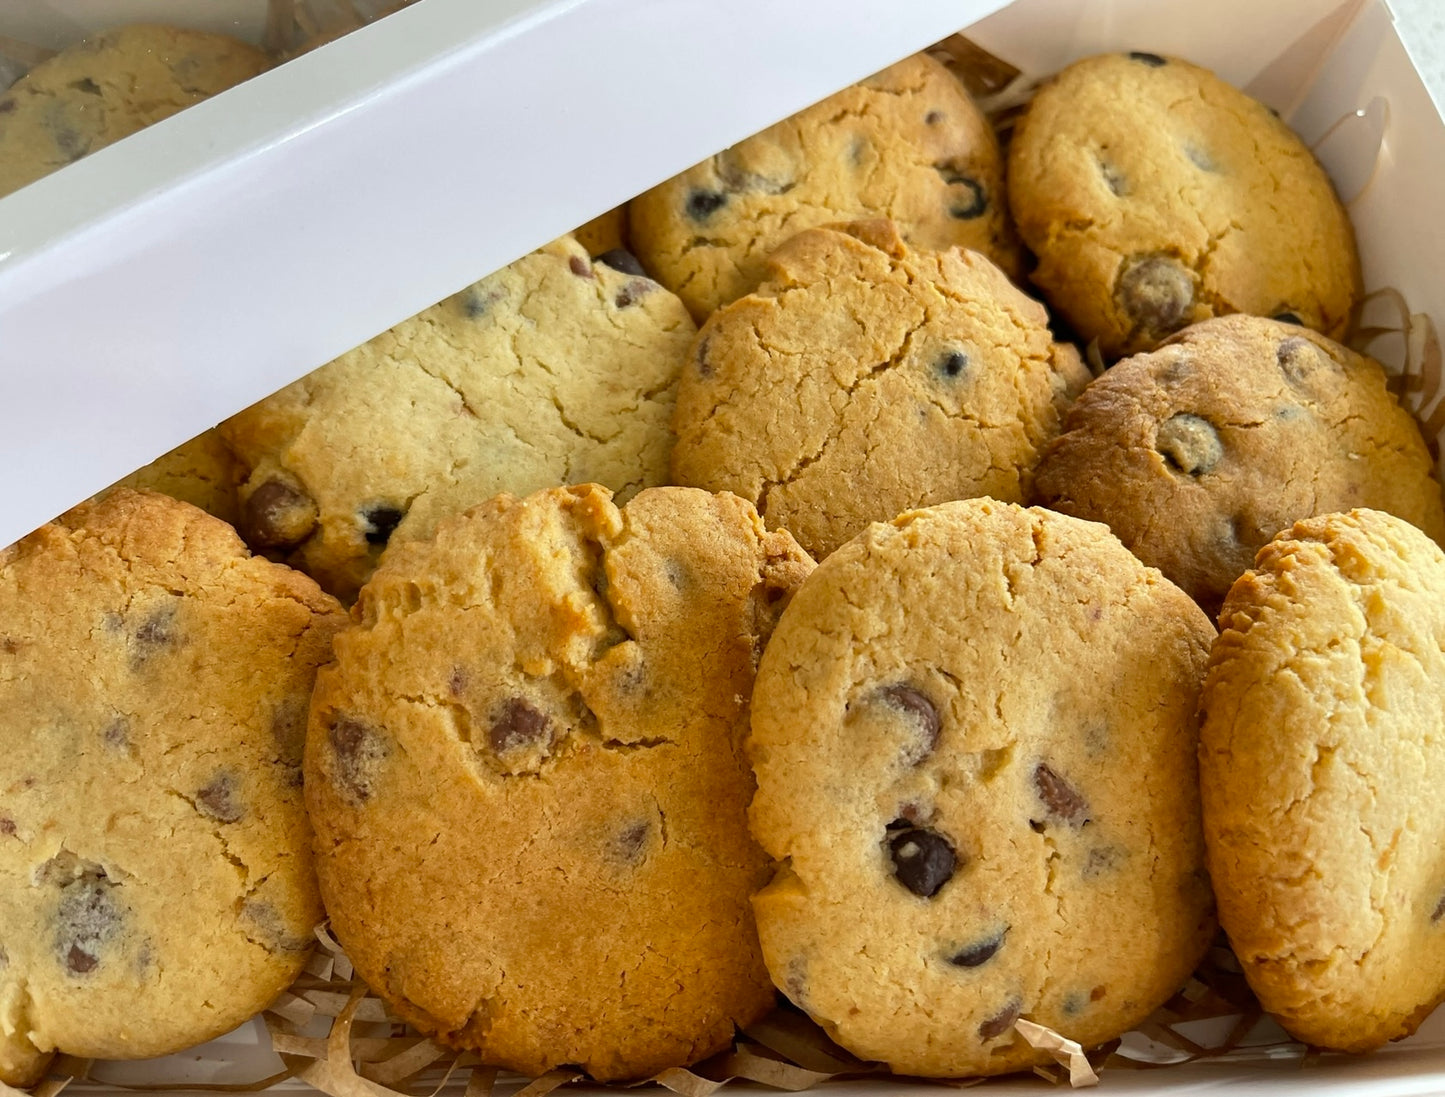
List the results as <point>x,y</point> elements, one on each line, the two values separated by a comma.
<point>907,144</point>
<point>1156,195</point>
<point>201,472</point>
<point>528,783</point>
<point>1322,760</point>
<point>863,379</point>
<point>154,679</point>
<point>974,734</point>
<point>1199,453</point>
<point>108,87</point>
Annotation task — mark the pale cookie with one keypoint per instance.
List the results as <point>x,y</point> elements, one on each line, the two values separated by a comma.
<point>907,144</point>
<point>553,370</point>
<point>974,735</point>
<point>1156,195</point>
<point>1199,453</point>
<point>864,379</point>
<point>528,783</point>
<point>201,472</point>
<point>1322,761</point>
<point>108,87</point>
<point>156,884</point>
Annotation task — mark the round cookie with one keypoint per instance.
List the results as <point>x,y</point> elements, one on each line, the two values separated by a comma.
<point>108,87</point>
<point>156,884</point>
<point>864,379</point>
<point>1321,762</point>
<point>553,370</point>
<point>907,144</point>
<point>1156,195</point>
<point>1199,453</point>
<point>201,472</point>
<point>528,784</point>
<point>974,736</point>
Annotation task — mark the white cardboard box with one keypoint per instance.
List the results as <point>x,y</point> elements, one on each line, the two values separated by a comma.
<point>161,284</point>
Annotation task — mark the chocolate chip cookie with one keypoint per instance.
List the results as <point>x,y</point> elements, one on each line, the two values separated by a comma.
<point>864,378</point>
<point>108,87</point>
<point>1199,453</point>
<point>974,735</point>
<point>1156,195</point>
<point>555,369</point>
<point>907,143</point>
<point>1321,762</point>
<point>201,472</point>
<point>528,783</point>
<point>154,679</point>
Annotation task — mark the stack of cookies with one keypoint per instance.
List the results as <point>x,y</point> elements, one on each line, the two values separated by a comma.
<point>704,646</point>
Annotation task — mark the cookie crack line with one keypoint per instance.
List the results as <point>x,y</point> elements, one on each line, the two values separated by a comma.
<point>236,861</point>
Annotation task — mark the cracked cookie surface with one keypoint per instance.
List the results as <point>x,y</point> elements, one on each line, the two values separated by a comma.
<point>863,379</point>
<point>1321,762</point>
<point>1156,195</point>
<point>154,679</point>
<point>1197,454</point>
<point>554,370</point>
<point>201,472</point>
<point>108,87</point>
<point>974,736</point>
<point>907,143</point>
<point>526,774</point>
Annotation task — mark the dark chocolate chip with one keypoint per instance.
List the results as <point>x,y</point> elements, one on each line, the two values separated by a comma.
<point>933,117</point>
<point>87,85</point>
<point>478,301</point>
<point>158,630</point>
<point>1097,994</point>
<point>379,522</point>
<point>969,200</point>
<point>620,259</point>
<point>69,142</point>
<point>702,204</point>
<point>1189,444</point>
<point>7,105</point>
<point>275,934</point>
<point>1061,798</point>
<point>1153,60</point>
<point>1288,318</point>
<point>856,150</point>
<point>1298,358</point>
<point>1435,917</point>
<point>914,704</point>
<point>519,724</point>
<point>220,799</point>
<point>86,919</point>
<point>276,515</point>
<point>579,266</point>
<point>457,681</point>
<point>631,840</point>
<point>997,1025</point>
<point>951,364</point>
<point>923,860</point>
<point>980,952</point>
<point>358,749</point>
<point>1156,293</point>
<point>1101,860</point>
<point>8,645</point>
<point>116,733</point>
<point>7,825</point>
<point>1112,179</point>
<point>631,293</point>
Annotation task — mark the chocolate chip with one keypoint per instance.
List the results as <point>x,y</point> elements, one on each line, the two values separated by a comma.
<point>1153,60</point>
<point>86,919</point>
<point>630,841</point>
<point>969,200</point>
<point>69,142</point>
<point>702,204</point>
<point>288,730</point>
<point>275,934</point>
<point>1101,859</point>
<point>923,860</point>
<point>620,259</point>
<point>379,522</point>
<point>951,364</point>
<point>579,266</point>
<point>933,117</point>
<point>478,301</point>
<point>276,515</point>
<point>631,293</point>
<point>358,749</point>
<point>87,85</point>
<point>220,799</point>
<point>857,148</point>
<point>7,105</point>
<point>979,953</point>
<point>116,733</point>
<point>1112,179</point>
<point>1189,444</point>
<point>1288,318</point>
<point>699,357</point>
<point>7,825</point>
<point>519,724</point>
<point>1156,293</point>
<point>1062,800</point>
<point>1435,917</point>
<point>158,630</point>
<point>457,681</point>
<point>997,1025</point>
<point>915,706</point>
